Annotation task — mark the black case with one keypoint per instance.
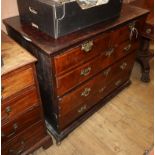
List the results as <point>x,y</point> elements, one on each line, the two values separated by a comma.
<point>56,19</point>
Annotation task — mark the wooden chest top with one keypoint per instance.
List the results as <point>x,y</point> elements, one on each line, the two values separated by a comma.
<point>49,45</point>
<point>14,56</point>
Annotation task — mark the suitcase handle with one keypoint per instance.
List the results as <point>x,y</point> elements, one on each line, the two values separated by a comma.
<point>33,11</point>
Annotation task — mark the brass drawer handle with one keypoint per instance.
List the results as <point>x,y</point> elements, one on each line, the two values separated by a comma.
<point>15,127</point>
<point>107,71</point>
<point>148,31</point>
<point>82,109</point>
<point>109,52</point>
<point>33,11</point>
<point>117,83</point>
<point>85,71</point>
<point>133,30</point>
<point>86,92</point>
<point>127,48</point>
<point>123,66</point>
<point>27,39</point>
<point>87,46</point>
<point>101,90</point>
<point>18,152</point>
<point>8,110</point>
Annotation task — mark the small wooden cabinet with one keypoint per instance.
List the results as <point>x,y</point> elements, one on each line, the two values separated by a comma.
<point>80,72</point>
<point>23,127</point>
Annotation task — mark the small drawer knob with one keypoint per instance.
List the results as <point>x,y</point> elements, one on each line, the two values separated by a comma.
<point>86,92</point>
<point>85,71</point>
<point>87,46</point>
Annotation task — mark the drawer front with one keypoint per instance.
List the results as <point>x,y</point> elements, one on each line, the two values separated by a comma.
<point>94,90</point>
<point>16,81</point>
<point>80,54</point>
<point>13,127</point>
<point>24,140</point>
<point>71,79</point>
<point>19,104</point>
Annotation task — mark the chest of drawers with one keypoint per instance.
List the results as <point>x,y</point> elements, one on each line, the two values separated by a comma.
<point>23,128</point>
<point>80,72</point>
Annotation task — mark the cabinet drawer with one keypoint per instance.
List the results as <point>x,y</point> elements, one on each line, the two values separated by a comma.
<point>94,90</point>
<point>14,107</point>
<point>16,81</point>
<point>13,127</point>
<point>24,140</point>
<point>80,54</point>
<point>71,79</point>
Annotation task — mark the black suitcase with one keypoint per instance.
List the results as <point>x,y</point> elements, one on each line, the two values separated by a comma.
<point>58,19</point>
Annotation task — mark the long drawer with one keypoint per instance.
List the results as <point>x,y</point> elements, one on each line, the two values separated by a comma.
<point>16,81</point>
<point>16,106</point>
<point>87,50</point>
<point>13,127</point>
<point>73,78</point>
<point>24,140</point>
<point>94,90</point>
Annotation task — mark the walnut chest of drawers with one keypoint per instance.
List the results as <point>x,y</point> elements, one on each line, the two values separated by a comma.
<point>23,128</point>
<point>80,72</point>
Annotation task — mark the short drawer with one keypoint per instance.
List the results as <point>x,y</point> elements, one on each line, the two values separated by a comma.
<point>24,140</point>
<point>16,81</point>
<point>94,90</point>
<point>71,79</point>
<point>17,105</point>
<point>80,54</point>
<point>13,127</point>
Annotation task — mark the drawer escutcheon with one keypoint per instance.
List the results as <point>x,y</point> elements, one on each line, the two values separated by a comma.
<point>87,46</point>
<point>127,48</point>
<point>109,52</point>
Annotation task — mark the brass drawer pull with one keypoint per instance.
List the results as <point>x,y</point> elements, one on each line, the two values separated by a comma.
<point>8,110</point>
<point>101,90</point>
<point>148,31</point>
<point>109,52</point>
<point>127,48</point>
<point>15,127</point>
<point>82,109</point>
<point>123,66</point>
<point>33,11</point>
<point>85,71</point>
<point>87,46</point>
<point>18,152</point>
<point>86,92</point>
<point>133,30</point>
<point>107,71</point>
<point>117,83</point>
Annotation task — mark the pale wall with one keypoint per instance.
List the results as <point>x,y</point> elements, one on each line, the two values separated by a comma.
<point>9,9</point>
